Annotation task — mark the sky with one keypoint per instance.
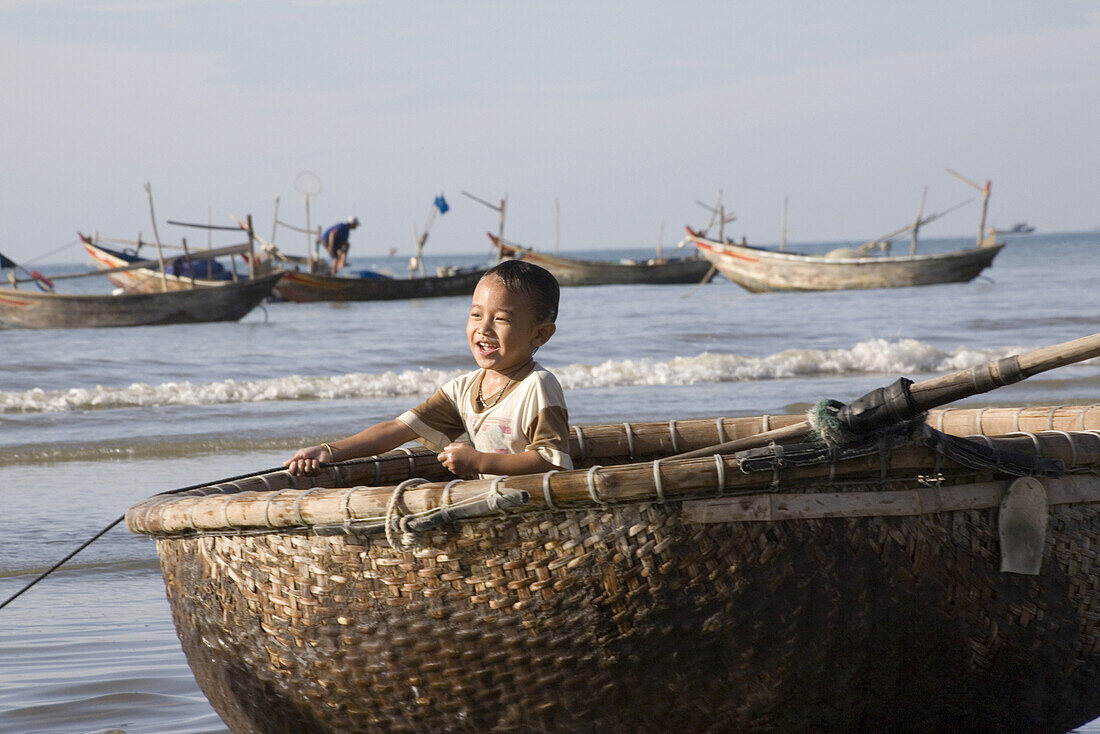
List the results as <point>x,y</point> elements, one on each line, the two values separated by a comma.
<point>602,122</point>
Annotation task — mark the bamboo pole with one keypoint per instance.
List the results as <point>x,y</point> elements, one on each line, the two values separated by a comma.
<point>501,209</point>
<point>783,234</point>
<point>945,389</point>
<point>674,480</point>
<point>338,492</point>
<point>917,223</point>
<point>187,259</point>
<point>500,233</point>
<point>156,237</point>
<point>985,201</point>
<point>557,228</point>
<point>275,220</point>
<point>421,240</point>
<point>251,248</point>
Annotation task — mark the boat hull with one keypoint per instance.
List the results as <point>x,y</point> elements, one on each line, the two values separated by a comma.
<point>223,302</point>
<point>306,287</point>
<point>760,270</point>
<point>638,620</point>
<point>576,272</point>
<point>865,595</point>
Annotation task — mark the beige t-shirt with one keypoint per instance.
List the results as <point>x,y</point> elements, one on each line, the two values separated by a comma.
<point>530,415</point>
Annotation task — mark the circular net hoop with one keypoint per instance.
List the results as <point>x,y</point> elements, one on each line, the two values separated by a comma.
<point>307,183</point>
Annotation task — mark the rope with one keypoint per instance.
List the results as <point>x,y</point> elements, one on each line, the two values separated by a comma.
<point>657,484</point>
<point>393,520</point>
<point>580,443</point>
<point>546,489</point>
<point>629,440</point>
<point>51,252</point>
<point>592,492</point>
<point>494,496</point>
<point>119,519</point>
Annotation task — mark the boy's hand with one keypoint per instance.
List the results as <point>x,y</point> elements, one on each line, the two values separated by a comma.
<point>307,460</point>
<point>460,459</point>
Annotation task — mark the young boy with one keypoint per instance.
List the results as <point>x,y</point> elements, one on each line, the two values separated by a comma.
<point>511,409</point>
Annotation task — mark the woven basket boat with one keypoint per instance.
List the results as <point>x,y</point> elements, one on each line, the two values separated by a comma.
<point>899,589</point>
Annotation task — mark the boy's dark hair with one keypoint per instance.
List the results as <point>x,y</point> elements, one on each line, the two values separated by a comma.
<point>527,279</point>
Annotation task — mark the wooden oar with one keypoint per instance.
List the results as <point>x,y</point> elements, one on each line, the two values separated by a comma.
<point>942,390</point>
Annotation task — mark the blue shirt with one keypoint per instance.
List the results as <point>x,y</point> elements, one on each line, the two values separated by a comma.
<point>342,232</point>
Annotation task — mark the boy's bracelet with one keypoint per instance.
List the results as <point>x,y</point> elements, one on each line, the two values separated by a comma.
<point>331,453</point>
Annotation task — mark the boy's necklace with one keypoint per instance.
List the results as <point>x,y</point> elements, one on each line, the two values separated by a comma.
<point>495,399</point>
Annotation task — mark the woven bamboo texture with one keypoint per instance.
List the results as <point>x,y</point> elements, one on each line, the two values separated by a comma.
<point>635,616</point>
<point>634,621</point>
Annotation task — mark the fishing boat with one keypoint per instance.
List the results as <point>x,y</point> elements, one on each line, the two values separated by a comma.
<point>574,271</point>
<point>229,301</point>
<point>136,274</point>
<point>302,286</point>
<point>925,576</point>
<point>304,279</point>
<point>761,270</point>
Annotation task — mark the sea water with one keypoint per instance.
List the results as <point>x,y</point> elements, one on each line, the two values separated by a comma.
<point>92,421</point>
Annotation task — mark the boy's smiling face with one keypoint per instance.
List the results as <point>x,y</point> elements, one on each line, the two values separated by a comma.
<point>503,331</point>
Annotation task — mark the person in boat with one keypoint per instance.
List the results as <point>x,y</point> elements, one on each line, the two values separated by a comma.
<point>510,411</point>
<point>335,239</point>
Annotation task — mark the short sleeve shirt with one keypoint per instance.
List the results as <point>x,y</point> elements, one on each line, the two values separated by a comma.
<point>529,416</point>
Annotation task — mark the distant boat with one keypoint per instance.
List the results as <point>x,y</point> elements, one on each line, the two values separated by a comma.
<point>1018,228</point>
<point>229,301</point>
<point>300,286</point>
<point>572,271</point>
<point>760,270</point>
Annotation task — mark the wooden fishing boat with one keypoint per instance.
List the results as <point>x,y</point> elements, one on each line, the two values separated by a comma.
<point>760,270</point>
<point>881,573</point>
<point>916,585</point>
<point>302,286</point>
<point>573,271</point>
<point>125,269</point>
<point>228,301</point>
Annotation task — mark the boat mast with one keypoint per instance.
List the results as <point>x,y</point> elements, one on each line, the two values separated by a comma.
<point>156,237</point>
<point>783,234</point>
<point>985,201</point>
<point>308,185</point>
<point>917,223</point>
<point>501,208</point>
<point>417,262</point>
<point>557,224</point>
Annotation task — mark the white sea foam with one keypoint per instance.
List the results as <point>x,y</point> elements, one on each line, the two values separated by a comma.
<point>876,356</point>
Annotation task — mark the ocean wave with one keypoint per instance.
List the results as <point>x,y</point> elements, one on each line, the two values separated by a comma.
<point>875,356</point>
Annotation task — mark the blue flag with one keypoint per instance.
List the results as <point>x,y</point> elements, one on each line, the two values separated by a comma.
<point>6,263</point>
<point>441,204</point>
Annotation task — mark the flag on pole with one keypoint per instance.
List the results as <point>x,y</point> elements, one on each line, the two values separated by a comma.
<point>6,263</point>
<point>441,204</point>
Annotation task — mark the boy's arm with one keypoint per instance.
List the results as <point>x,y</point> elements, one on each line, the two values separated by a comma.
<point>377,439</point>
<point>464,460</point>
